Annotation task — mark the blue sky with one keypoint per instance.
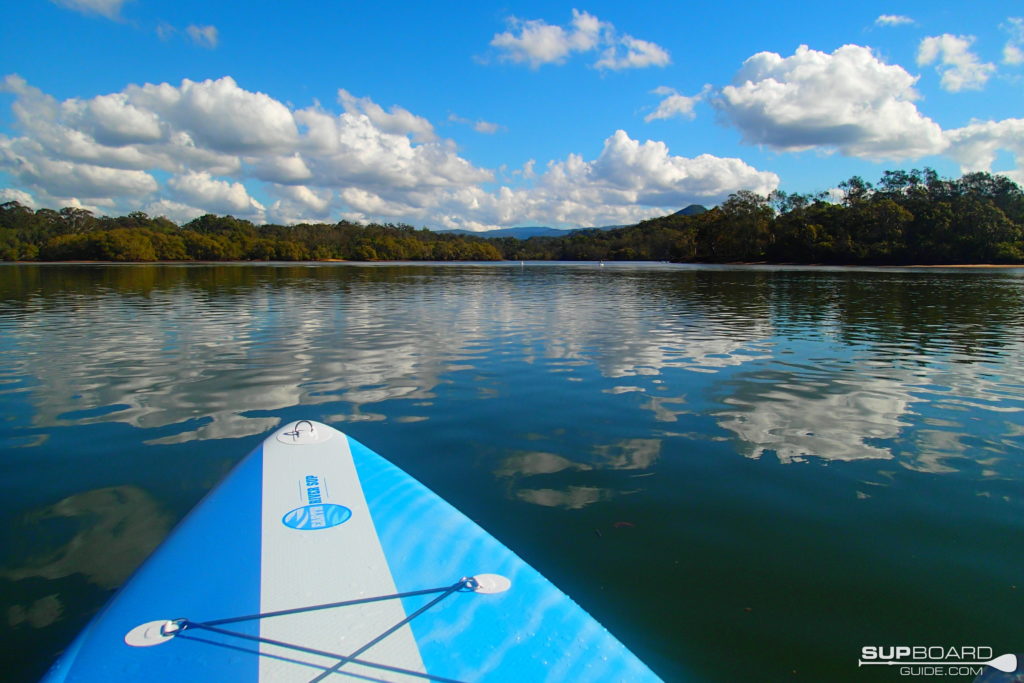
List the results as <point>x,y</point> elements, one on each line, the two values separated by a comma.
<point>479,115</point>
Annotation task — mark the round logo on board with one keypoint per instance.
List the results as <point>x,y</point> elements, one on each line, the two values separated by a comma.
<point>314,517</point>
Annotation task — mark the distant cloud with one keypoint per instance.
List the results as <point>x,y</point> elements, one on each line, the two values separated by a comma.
<point>111,9</point>
<point>639,54</point>
<point>676,105</point>
<point>536,42</point>
<point>1013,51</point>
<point>848,100</point>
<point>486,127</point>
<point>480,126</point>
<point>1013,55</point>
<point>203,36</point>
<point>176,211</point>
<point>893,20</point>
<point>165,31</point>
<point>9,194</point>
<point>960,68</point>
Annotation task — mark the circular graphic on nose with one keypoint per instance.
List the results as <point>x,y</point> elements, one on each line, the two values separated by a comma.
<point>314,517</point>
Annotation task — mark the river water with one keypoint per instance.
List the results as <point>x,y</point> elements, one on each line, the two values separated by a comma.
<point>745,473</point>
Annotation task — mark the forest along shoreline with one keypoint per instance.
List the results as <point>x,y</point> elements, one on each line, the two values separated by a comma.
<point>738,264</point>
<point>909,218</point>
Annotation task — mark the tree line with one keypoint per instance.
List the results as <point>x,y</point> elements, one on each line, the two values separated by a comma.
<point>73,234</point>
<point>907,217</point>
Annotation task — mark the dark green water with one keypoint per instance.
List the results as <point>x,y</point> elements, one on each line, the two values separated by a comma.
<point>744,473</point>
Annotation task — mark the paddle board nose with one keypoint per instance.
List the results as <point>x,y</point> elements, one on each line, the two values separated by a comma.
<point>304,432</point>
<point>375,593</point>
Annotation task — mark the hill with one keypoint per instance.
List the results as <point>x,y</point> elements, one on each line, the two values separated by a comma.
<point>525,233</point>
<point>519,233</point>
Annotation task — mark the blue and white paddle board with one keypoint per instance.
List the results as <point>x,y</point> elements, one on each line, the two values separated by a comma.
<point>316,559</point>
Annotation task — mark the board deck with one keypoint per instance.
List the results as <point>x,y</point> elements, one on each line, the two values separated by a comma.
<point>311,518</point>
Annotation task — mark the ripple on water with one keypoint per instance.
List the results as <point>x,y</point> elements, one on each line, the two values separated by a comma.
<point>735,417</point>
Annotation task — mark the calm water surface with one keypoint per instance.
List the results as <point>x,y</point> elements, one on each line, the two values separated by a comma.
<point>744,473</point>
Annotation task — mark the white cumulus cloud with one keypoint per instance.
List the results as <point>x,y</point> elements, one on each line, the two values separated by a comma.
<point>298,204</point>
<point>220,115</point>
<point>638,54</point>
<point>351,150</point>
<point>976,146</point>
<point>215,138</point>
<point>280,168</point>
<point>175,211</point>
<point>536,42</point>
<point>676,105</point>
<point>847,100</point>
<point>113,120</point>
<point>893,20</point>
<point>1013,51</point>
<point>9,194</point>
<point>960,68</point>
<point>318,202</point>
<point>62,178</point>
<point>647,173</point>
<point>629,181</point>
<point>221,196</point>
<point>398,120</point>
<point>229,150</point>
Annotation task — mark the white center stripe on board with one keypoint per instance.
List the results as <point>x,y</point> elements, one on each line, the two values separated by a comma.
<point>319,545</point>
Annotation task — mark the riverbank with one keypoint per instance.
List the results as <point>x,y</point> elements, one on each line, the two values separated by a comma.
<point>514,261</point>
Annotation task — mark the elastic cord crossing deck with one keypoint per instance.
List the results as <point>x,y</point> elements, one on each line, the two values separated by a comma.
<point>463,584</point>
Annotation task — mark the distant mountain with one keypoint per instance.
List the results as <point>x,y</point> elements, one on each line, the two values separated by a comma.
<point>524,232</point>
<point>519,233</point>
<point>691,210</point>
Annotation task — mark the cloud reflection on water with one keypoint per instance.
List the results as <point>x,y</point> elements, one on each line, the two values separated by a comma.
<point>217,363</point>
<point>526,471</point>
<point>117,528</point>
<point>842,410</point>
<point>837,421</point>
<point>218,352</point>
